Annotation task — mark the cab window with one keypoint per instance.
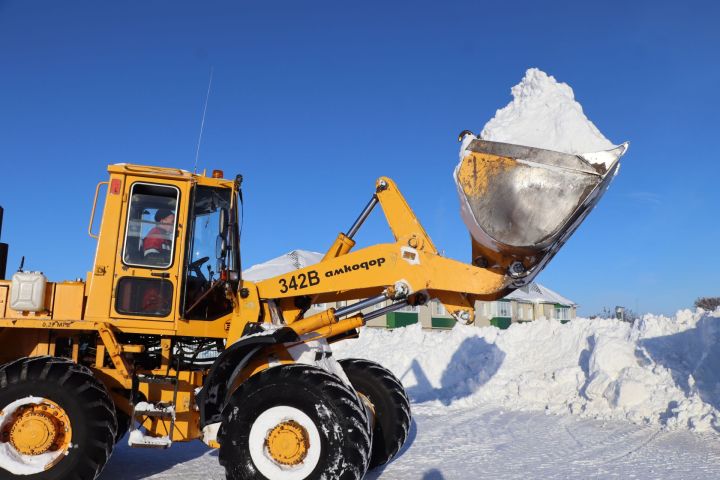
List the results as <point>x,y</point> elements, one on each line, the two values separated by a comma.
<point>151,226</point>
<point>149,297</point>
<point>209,247</point>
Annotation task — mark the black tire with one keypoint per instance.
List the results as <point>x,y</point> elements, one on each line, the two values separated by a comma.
<point>390,403</point>
<point>123,424</point>
<point>85,401</point>
<point>338,417</point>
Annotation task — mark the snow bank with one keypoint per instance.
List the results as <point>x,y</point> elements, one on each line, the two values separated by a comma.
<point>659,370</point>
<point>282,264</point>
<point>544,114</point>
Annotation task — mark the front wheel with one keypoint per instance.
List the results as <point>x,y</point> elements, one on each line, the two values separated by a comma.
<point>57,421</point>
<point>294,422</point>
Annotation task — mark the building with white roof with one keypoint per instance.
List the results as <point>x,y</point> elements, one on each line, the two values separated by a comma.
<point>531,302</point>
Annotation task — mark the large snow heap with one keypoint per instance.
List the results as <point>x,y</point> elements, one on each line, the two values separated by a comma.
<point>659,370</point>
<point>544,114</point>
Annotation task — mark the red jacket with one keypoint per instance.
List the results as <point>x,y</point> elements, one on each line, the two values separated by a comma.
<point>156,241</point>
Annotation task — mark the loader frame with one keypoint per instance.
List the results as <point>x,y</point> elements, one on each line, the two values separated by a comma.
<point>267,320</point>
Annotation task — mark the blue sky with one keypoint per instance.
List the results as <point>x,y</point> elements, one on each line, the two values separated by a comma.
<point>312,101</point>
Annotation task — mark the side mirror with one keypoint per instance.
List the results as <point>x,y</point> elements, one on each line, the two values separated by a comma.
<point>220,247</point>
<point>224,222</point>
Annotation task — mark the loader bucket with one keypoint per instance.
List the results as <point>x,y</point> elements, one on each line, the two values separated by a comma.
<point>521,204</point>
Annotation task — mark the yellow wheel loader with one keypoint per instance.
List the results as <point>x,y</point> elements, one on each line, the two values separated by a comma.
<point>166,342</point>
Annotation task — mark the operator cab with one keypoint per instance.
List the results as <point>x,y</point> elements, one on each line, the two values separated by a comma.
<point>174,254</point>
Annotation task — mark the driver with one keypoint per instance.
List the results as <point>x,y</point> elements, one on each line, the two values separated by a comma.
<point>158,242</point>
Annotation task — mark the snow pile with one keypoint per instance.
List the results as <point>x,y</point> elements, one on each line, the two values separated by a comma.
<point>282,264</point>
<point>659,370</point>
<point>544,114</point>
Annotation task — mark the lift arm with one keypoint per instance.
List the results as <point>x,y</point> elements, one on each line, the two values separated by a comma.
<point>412,261</point>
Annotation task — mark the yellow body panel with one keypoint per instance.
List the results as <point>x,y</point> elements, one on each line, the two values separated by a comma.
<point>69,300</point>
<point>4,298</point>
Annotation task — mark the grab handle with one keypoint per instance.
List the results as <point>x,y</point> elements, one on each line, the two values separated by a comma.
<point>92,214</point>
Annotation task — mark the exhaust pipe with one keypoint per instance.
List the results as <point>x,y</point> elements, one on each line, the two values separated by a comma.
<point>3,251</point>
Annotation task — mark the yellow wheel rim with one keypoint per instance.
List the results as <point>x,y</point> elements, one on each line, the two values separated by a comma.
<point>288,443</point>
<point>35,429</point>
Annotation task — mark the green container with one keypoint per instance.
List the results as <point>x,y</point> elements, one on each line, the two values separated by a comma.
<point>442,322</point>
<point>501,322</point>
<point>401,319</point>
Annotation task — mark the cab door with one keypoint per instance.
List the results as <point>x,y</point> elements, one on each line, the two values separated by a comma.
<point>150,248</point>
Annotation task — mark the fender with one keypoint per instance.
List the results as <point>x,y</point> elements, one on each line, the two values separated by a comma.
<point>211,399</point>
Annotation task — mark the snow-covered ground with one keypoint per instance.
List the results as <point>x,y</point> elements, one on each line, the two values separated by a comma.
<point>590,398</point>
<point>473,443</point>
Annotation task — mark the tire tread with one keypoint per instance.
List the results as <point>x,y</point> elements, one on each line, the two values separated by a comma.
<point>357,443</point>
<point>396,428</point>
<point>97,405</point>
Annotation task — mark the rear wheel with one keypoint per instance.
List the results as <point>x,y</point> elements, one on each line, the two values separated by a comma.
<point>389,402</point>
<point>57,421</point>
<point>294,422</point>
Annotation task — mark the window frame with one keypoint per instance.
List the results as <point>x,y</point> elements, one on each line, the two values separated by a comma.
<point>189,239</point>
<point>524,308</point>
<point>175,227</point>
<point>562,312</point>
<point>501,306</point>
<point>159,281</point>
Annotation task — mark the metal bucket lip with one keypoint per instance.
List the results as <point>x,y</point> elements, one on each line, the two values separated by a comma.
<point>548,158</point>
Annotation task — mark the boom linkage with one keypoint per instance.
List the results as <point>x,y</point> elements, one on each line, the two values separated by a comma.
<point>412,260</point>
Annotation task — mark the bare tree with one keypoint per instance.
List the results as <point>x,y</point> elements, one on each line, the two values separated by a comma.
<point>627,316</point>
<point>630,315</point>
<point>708,303</point>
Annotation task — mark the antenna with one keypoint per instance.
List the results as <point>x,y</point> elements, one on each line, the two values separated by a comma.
<point>202,122</point>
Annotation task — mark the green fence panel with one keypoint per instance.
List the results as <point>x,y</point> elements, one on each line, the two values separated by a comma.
<point>501,322</point>
<point>401,319</point>
<point>442,322</point>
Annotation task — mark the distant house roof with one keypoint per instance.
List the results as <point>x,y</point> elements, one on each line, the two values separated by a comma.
<point>282,264</point>
<point>536,293</point>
